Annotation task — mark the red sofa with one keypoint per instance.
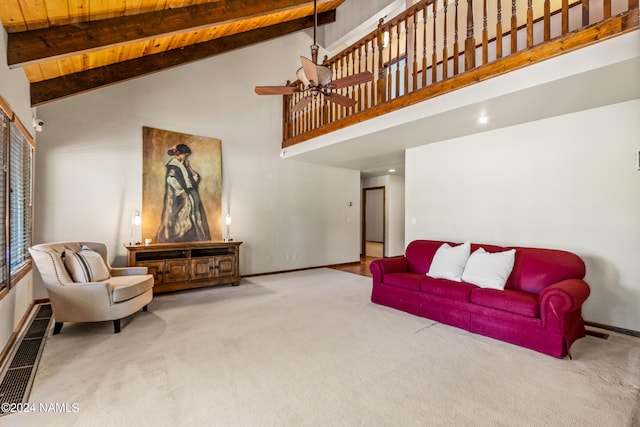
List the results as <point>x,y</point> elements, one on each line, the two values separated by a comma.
<point>539,308</point>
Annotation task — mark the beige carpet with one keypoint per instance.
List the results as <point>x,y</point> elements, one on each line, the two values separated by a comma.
<point>310,349</point>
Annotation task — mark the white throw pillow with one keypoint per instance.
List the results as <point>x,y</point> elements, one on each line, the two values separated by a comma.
<point>85,266</point>
<point>448,262</point>
<point>489,270</point>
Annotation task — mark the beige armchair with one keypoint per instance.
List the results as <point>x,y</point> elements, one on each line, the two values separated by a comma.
<point>126,291</point>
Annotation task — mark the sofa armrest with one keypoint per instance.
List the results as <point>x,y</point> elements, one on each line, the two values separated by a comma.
<point>561,298</point>
<point>383,266</point>
<point>128,271</point>
<point>81,302</point>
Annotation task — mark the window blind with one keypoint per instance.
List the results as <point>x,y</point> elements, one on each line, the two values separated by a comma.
<point>4,135</point>
<point>20,165</point>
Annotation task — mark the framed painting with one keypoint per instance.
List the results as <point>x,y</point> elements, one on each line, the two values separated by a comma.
<point>181,187</point>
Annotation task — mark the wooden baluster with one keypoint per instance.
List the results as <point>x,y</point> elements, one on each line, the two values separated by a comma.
<point>456,46</point>
<point>344,72</point>
<point>360,88</point>
<point>381,82</point>
<point>366,67</point>
<point>336,107</point>
<point>499,31</point>
<point>414,81</point>
<point>434,55</point>
<point>514,28</point>
<point>445,50</point>
<point>485,34</point>
<point>293,116</point>
<point>389,72</point>
<point>565,16</point>
<point>424,44</point>
<point>470,43</point>
<point>547,20</point>
<point>325,113</point>
<point>585,13</point>
<point>307,117</point>
<point>398,81</point>
<point>286,108</point>
<point>406,56</point>
<point>352,89</point>
<point>529,23</point>
<point>301,119</point>
<point>606,9</point>
<point>309,111</point>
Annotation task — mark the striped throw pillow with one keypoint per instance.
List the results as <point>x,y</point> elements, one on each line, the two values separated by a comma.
<point>85,265</point>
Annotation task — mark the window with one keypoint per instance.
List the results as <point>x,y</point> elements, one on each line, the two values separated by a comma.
<point>20,182</point>
<point>4,136</point>
<point>16,196</point>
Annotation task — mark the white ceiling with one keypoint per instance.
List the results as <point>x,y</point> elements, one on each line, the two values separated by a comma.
<point>601,74</point>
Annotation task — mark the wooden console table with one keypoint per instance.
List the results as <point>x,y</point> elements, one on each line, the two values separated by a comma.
<point>177,266</point>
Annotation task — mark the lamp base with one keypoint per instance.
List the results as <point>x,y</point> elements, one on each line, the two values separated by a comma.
<point>227,239</point>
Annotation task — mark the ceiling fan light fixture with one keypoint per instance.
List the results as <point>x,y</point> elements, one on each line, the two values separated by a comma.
<point>324,75</point>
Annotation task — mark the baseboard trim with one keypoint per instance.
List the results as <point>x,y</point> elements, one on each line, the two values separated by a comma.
<point>286,271</point>
<point>623,331</point>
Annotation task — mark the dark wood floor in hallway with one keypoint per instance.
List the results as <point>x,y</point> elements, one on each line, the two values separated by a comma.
<point>361,268</point>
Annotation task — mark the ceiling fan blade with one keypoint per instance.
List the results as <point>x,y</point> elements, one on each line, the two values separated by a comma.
<point>301,104</point>
<point>340,99</point>
<point>276,90</point>
<point>310,70</point>
<point>356,79</point>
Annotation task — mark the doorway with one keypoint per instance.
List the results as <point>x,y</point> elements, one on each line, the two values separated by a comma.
<point>373,222</point>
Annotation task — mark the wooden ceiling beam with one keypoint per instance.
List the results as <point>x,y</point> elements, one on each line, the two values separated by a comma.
<point>28,47</point>
<point>72,84</point>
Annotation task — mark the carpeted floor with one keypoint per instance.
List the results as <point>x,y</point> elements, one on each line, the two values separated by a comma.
<point>310,349</point>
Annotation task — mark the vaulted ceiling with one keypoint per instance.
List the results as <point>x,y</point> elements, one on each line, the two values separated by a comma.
<point>67,47</point>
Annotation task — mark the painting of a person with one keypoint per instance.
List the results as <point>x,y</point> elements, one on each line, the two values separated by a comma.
<point>183,216</point>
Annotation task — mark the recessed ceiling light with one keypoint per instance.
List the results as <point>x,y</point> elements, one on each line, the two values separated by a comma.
<point>392,170</point>
<point>483,120</point>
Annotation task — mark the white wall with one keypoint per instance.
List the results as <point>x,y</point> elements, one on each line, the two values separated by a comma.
<point>568,182</point>
<point>394,211</point>
<point>355,19</point>
<point>14,88</point>
<point>288,214</point>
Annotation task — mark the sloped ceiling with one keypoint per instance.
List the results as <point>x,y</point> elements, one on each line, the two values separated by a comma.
<point>67,47</point>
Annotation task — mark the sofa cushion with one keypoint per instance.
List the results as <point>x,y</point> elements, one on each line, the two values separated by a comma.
<point>518,302</point>
<point>404,280</point>
<point>127,287</point>
<point>535,269</point>
<point>489,270</point>
<point>419,254</point>
<point>448,262</point>
<point>447,289</point>
<point>85,265</point>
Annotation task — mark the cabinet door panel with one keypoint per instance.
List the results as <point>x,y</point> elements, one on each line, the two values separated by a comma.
<point>155,268</point>
<point>202,268</point>
<point>176,271</point>
<point>226,265</point>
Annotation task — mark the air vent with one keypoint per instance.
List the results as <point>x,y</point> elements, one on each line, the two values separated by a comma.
<point>17,379</point>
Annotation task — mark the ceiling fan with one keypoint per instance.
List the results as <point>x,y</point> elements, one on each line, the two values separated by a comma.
<point>317,79</point>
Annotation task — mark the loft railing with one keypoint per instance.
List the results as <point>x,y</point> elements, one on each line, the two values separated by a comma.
<point>437,46</point>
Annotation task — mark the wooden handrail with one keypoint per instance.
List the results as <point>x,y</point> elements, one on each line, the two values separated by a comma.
<point>413,54</point>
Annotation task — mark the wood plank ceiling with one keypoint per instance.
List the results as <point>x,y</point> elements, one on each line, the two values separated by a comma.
<point>67,47</point>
